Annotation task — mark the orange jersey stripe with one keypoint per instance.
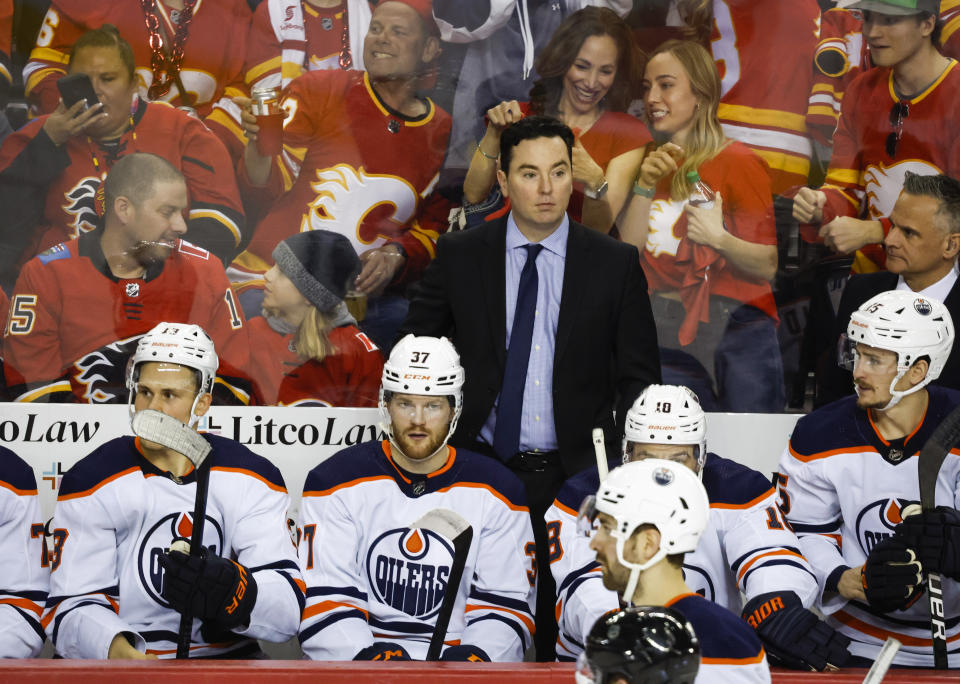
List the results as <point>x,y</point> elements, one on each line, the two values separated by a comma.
<point>327,606</point>
<point>882,634</point>
<point>26,604</point>
<point>753,660</point>
<point>18,492</point>
<point>749,504</point>
<point>88,492</point>
<point>781,552</point>
<point>520,616</point>
<point>271,485</point>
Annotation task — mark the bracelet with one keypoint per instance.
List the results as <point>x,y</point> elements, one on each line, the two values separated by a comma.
<point>493,157</point>
<point>644,192</point>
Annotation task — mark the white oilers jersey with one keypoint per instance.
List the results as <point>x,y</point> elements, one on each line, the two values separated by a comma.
<point>23,567</point>
<point>842,488</point>
<point>370,578</point>
<point>746,548</point>
<point>116,514</point>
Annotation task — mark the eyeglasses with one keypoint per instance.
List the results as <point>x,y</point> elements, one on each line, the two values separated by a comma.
<point>898,113</point>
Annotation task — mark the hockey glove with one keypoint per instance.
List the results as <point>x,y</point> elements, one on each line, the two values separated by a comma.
<point>935,536</point>
<point>793,636</point>
<point>210,587</point>
<point>466,653</point>
<point>892,577</point>
<point>383,650</point>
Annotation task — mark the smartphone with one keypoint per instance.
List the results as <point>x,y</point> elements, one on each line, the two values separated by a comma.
<point>76,87</point>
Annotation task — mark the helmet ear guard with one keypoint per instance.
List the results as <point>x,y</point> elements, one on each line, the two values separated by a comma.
<point>910,326</point>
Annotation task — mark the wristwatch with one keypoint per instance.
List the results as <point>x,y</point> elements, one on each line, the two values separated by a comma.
<point>644,192</point>
<point>599,192</point>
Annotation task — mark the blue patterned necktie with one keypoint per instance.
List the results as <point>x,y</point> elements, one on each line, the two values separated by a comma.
<point>506,435</point>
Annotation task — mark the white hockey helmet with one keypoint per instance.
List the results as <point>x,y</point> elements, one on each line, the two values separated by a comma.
<point>184,344</point>
<point>907,324</point>
<point>665,494</point>
<point>428,366</point>
<point>667,414</point>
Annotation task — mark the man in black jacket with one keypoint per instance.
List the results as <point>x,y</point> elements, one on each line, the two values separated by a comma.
<point>921,250</point>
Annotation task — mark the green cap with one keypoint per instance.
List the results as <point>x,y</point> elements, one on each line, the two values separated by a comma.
<point>693,177</point>
<point>898,7</point>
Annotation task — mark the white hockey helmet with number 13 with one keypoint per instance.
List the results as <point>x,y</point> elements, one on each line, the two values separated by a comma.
<point>428,366</point>
<point>907,324</point>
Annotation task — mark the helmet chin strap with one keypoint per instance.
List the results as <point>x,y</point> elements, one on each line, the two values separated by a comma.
<point>636,568</point>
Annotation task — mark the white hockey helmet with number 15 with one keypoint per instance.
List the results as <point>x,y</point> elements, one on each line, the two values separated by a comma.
<point>428,366</point>
<point>667,414</point>
<point>665,494</point>
<point>907,324</point>
<point>184,344</point>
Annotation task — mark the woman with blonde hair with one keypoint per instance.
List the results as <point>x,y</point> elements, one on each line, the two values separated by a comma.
<point>589,73</point>
<point>307,350</point>
<point>708,260</point>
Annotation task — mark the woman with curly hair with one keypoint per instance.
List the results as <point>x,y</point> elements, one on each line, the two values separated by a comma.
<point>589,72</point>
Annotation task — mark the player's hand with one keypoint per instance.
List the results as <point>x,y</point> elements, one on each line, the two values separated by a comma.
<point>585,169</point>
<point>845,234</point>
<point>793,636</point>
<point>380,267</point>
<point>892,577</point>
<point>658,164</point>
<point>383,650</point>
<point>120,648</point>
<point>63,123</point>
<point>705,226</point>
<point>502,115</point>
<point>209,587</point>
<point>935,536</point>
<point>808,205</point>
<point>465,653</point>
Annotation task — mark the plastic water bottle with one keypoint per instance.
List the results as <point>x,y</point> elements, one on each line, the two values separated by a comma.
<point>702,194</point>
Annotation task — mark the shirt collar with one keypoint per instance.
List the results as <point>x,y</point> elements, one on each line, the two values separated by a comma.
<point>556,242</point>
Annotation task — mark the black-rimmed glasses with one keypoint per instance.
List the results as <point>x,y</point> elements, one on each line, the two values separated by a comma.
<point>898,113</point>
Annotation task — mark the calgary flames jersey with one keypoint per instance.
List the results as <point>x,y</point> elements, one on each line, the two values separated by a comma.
<point>349,377</point>
<point>352,166</point>
<point>763,52</point>
<point>72,324</point>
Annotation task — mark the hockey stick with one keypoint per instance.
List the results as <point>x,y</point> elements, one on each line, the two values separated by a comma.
<point>931,458</point>
<point>455,528</point>
<point>601,452</point>
<point>880,666</point>
<point>172,434</point>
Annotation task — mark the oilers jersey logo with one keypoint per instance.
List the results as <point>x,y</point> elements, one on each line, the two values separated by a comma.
<point>157,540</point>
<point>407,569</point>
<point>877,521</point>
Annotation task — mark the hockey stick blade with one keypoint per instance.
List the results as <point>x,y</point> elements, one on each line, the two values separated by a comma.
<point>600,449</point>
<point>454,527</point>
<point>171,433</point>
<point>931,457</point>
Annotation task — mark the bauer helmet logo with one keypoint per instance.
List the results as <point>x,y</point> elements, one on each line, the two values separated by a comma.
<point>663,476</point>
<point>922,306</point>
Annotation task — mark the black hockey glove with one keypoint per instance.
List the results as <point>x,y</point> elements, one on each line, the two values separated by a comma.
<point>466,653</point>
<point>793,636</point>
<point>383,650</point>
<point>892,577</point>
<point>210,587</point>
<point>935,536</point>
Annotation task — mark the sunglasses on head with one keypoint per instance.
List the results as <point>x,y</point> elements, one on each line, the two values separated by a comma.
<point>898,113</point>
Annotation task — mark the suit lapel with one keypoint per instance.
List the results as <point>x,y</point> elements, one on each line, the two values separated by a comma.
<point>575,275</point>
<point>494,286</point>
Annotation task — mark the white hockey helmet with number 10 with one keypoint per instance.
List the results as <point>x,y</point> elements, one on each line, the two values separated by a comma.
<point>428,366</point>
<point>665,494</point>
<point>907,324</point>
<point>184,344</point>
<point>667,414</point>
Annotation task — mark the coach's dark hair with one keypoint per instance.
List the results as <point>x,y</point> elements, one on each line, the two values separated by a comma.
<point>107,36</point>
<point>529,128</point>
<point>134,177</point>
<point>945,190</point>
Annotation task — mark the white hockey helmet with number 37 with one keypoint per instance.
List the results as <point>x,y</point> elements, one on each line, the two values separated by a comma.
<point>667,414</point>
<point>428,366</point>
<point>911,326</point>
<point>184,344</point>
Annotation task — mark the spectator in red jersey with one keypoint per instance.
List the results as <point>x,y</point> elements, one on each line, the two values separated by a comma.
<point>79,308</point>
<point>589,73</point>
<point>709,267</point>
<point>52,168</point>
<point>306,350</point>
<point>897,117</point>
<point>187,52</point>
<point>362,152</point>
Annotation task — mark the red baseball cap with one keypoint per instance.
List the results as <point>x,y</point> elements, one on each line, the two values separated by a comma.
<point>422,7</point>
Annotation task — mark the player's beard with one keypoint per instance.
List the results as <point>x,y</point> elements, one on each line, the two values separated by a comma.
<point>615,576</point>
<point>424,449</point>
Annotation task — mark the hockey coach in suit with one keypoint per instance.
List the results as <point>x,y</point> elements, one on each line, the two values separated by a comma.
<point>552,322</point>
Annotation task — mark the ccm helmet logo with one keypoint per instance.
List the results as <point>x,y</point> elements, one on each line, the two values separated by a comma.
<point>414,376</point>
